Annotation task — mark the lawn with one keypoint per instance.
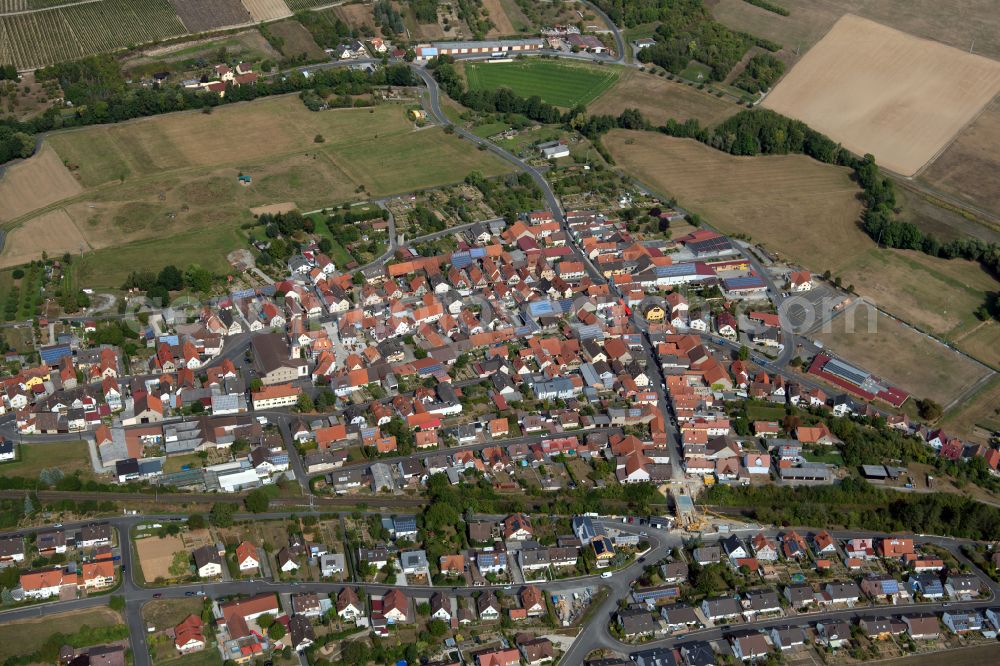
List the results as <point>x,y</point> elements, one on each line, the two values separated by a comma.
<point>175,463</point>
<point>33,458</point>
<point>764,413</point>
<point>696,71</point>
<point>558,83</point>
<point>21,638</point>
<point>827,457</point>
<point>207,657</point>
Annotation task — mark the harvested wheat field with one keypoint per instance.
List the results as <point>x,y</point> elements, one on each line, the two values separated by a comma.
<point>267,10</point>
<point>877,90</point>
<point>53,232</point>
<point>659,100</point>
<point>970,167</point>
<point>20,192</point>
<point>792,204</point>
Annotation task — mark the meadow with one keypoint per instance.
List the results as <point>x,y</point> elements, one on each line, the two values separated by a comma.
<point>970,167</point>
<point>905,358</point>
<point>979,415</point>
<point>558,83</point>
<point>148,190</point>
<point>807,213</point>
<point>660,99</point>
<point>33,458</point>
<point>27,636</point>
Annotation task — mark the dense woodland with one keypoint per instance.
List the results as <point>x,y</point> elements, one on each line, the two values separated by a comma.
<point>686,32</point>
<point>760,73</point>
<point>856,504</point>
<point>97,89</point>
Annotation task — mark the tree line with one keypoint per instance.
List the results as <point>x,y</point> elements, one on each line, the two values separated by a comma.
<point>856,504</point>
<point>98,93</point>
<point>758,131</point>
<point>501,100</point>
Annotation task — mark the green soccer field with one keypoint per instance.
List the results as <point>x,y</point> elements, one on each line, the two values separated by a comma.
<point>558,83</point>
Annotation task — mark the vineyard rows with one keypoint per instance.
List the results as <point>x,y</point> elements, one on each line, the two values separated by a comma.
<point>43,38</point>
<point>7,6</point>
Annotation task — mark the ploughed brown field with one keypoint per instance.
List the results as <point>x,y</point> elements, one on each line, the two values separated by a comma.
<point>881,91</point>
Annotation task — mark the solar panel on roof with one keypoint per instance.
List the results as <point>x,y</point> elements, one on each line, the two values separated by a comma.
<point>845,371</point>
<point>539,308</point>
<point>744,282</point>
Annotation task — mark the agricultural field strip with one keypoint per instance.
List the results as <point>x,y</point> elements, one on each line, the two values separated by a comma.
<point>70,31</point>
<point>906,109</point>
<point>8,7</point>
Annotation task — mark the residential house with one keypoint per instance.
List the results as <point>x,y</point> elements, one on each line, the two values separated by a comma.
<point>189,635</point>
<point>922,626</point>
<point>396,607</point>
<point>488,607</point>
<point>300,632</point>
<point>750,646</point>
<point>720,609</point>
<point>207,562</point>
<point>349,607</point>
<point>247,558</point>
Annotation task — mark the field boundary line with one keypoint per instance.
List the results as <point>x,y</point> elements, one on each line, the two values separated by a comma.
<point>930,162</point>
<point>946,343</point>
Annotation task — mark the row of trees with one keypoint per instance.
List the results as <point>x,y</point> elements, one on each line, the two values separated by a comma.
<point>170,278</point>
<point>764,132</point>
<point>854,503</point>
<point>97,89</point>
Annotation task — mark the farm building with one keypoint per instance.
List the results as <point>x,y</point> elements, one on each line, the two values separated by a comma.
<point>483,47</point>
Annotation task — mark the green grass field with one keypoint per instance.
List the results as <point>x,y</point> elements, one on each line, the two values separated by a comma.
<point>21,638</point>
<point>696,71</point>
<point>33,458</point>
<point>163,190</point>
<point>558,83</point>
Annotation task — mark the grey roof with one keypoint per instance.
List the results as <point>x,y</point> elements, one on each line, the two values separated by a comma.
<point>413,559</point>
